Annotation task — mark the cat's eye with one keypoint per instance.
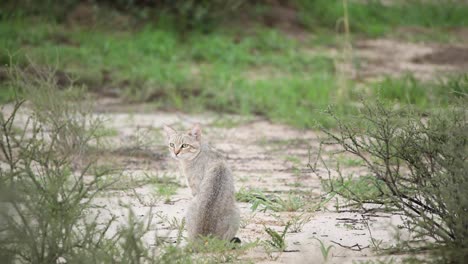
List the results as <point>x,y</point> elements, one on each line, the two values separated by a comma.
<point>184,145</point>
<point>171,145</point>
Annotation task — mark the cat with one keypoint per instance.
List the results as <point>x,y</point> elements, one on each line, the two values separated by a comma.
<point>213,210</point>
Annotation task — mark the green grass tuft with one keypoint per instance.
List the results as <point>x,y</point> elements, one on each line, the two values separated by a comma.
<point>409,90</point>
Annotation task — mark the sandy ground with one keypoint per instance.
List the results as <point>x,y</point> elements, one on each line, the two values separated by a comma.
<point>264,156</point>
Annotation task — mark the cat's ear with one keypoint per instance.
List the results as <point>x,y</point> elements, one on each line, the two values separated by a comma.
<point>169,131</point>
<point>195,132</point>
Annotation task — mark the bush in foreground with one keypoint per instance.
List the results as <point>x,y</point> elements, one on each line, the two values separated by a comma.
<point>419,167</point>
<point>48,180</point>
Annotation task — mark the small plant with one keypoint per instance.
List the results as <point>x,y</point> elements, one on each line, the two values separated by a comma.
<point>270,202</point>
<point>298,222</point>
<point>164,186</point>
<point>213,250</point>
<point>296,165</point>
<point>387,260</point>
<point>256,198</point>
<point>246,221</point>
<point>292,203</point>
<point>129,239</point>
<point>166,190</point>
<point>276,245</point>
<point>277,241</point>
<point>324,249</point>
<point>357,190</point>
<point>173,223</point>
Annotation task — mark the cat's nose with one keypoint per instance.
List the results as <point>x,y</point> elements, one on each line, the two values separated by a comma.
<point>177,151</point>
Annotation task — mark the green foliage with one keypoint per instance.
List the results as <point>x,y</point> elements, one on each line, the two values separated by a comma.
<point>376,18</point>
<point>49,178</point>
<point>6,95</point>
<point>419,165</point>
<point>213,250</point>
<point>407,89</point>
<point>270,202</point>
<point>324,249</point>
<point>128,245</point>
<point>173,254</point>
<point>184,14</point>
<point>20,8</point>
<point>388,260</point>
<point>277,241</point>
<point>44,201</point>
<point>206,71</point>
<point>457,85</point>
<point>361,190</point>
<point>265,73</point>
<point>297,222</point>
<point>200,13</point>
<point>422,94</point>
<point>373,17</point>
<point>349,161</point>
<point>166,187</point>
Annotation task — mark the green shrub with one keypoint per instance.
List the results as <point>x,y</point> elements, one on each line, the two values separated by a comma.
<point>375,18</point>
<point>48,179</point>
<point>419,164</point>
<point>44,201</point>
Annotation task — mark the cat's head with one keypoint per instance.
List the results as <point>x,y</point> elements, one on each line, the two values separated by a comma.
<point>183,145</point>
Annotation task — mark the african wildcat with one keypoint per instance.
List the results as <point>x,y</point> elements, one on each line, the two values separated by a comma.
<point>213,209</point>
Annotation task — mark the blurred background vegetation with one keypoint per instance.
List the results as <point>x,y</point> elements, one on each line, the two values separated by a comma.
<point>260,57</point>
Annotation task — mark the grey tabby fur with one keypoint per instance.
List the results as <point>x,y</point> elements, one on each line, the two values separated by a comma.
<point>213,210</point>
